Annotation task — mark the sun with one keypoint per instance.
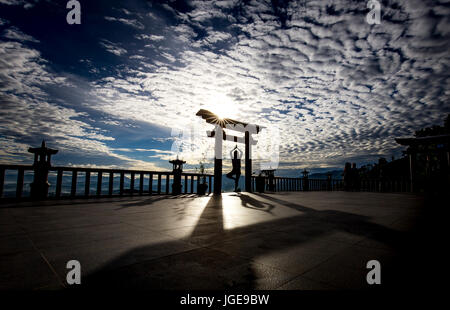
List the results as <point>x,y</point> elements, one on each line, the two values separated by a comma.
<point>221,105</point>
<point>221,111</point>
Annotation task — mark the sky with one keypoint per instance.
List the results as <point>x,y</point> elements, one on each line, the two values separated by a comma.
<point>121,89</point>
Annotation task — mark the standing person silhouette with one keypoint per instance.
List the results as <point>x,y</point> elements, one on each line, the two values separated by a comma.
<point>236,155</point>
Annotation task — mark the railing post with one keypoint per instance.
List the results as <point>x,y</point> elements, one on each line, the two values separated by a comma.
<point>150,184</point>
<point>209,184</point>
<point>132,183</point>
<point>2,180</point>
<point>159,183</point>
<point>73,187</point>
<point>141,183</point>
<point>111,183</point>
<point>248,162</point>
<point>122,179</point>
<point>58,183</point>
<point>99,183</point>
<point>87,183</point>
<point>19,188</point>
<point>192,184</point>
<point>167,183</point>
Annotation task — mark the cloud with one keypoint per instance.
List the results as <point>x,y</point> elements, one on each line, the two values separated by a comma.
<point>3,22</point>
<point>129,22</point>
<point>162,155</point>
<point>26,4</point>
<point>27,115</point>
<point>14,33</point>
<point>338,88</point>
<point>113,48</point>
<point>12,2</point>
<point>151,37</point>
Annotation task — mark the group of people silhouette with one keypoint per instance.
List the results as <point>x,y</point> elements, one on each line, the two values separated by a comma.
<point>352,180</point>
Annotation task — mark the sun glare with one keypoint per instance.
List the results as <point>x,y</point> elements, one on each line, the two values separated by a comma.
<point>221,105</point>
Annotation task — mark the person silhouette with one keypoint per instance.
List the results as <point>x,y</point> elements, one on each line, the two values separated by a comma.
<point>236,155</point>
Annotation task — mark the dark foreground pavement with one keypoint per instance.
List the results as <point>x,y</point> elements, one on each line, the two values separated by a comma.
<point>307,240</point>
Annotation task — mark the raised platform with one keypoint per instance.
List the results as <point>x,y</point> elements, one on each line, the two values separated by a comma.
<point>293,240</point>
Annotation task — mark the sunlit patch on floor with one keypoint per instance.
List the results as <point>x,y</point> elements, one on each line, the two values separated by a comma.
<point>243,209</point>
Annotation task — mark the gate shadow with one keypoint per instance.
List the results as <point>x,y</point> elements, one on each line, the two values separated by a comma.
<point>198,261</point>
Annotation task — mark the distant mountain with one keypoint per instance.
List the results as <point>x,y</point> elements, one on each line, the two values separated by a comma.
<point>335,174</point>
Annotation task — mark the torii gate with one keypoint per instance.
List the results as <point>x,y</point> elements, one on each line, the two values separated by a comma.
<point>219,135</point>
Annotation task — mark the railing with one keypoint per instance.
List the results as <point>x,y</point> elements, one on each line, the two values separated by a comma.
<point>364,185</point>
<point>384,185</point>
<point>74,182</point>
<point>282,184</point>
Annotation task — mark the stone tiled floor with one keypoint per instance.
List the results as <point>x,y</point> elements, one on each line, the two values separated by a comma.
<point>312,240</point>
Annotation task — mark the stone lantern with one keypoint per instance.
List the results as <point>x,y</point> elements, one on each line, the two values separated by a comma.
<point>329,181</point>
<point>41,165</point>
<point>305,180</point>
<point>177,170</point>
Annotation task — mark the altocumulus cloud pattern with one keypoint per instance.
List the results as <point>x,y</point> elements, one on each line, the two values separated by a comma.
<point>113,87</point>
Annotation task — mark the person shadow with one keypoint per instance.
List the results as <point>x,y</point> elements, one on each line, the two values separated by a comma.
<point>249,202</point>
<point>212,257</point>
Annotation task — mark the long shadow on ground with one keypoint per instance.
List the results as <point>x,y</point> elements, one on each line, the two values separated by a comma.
<point>208,266</point>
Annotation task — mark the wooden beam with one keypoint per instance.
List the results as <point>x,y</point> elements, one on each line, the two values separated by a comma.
<point>212,134</point>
